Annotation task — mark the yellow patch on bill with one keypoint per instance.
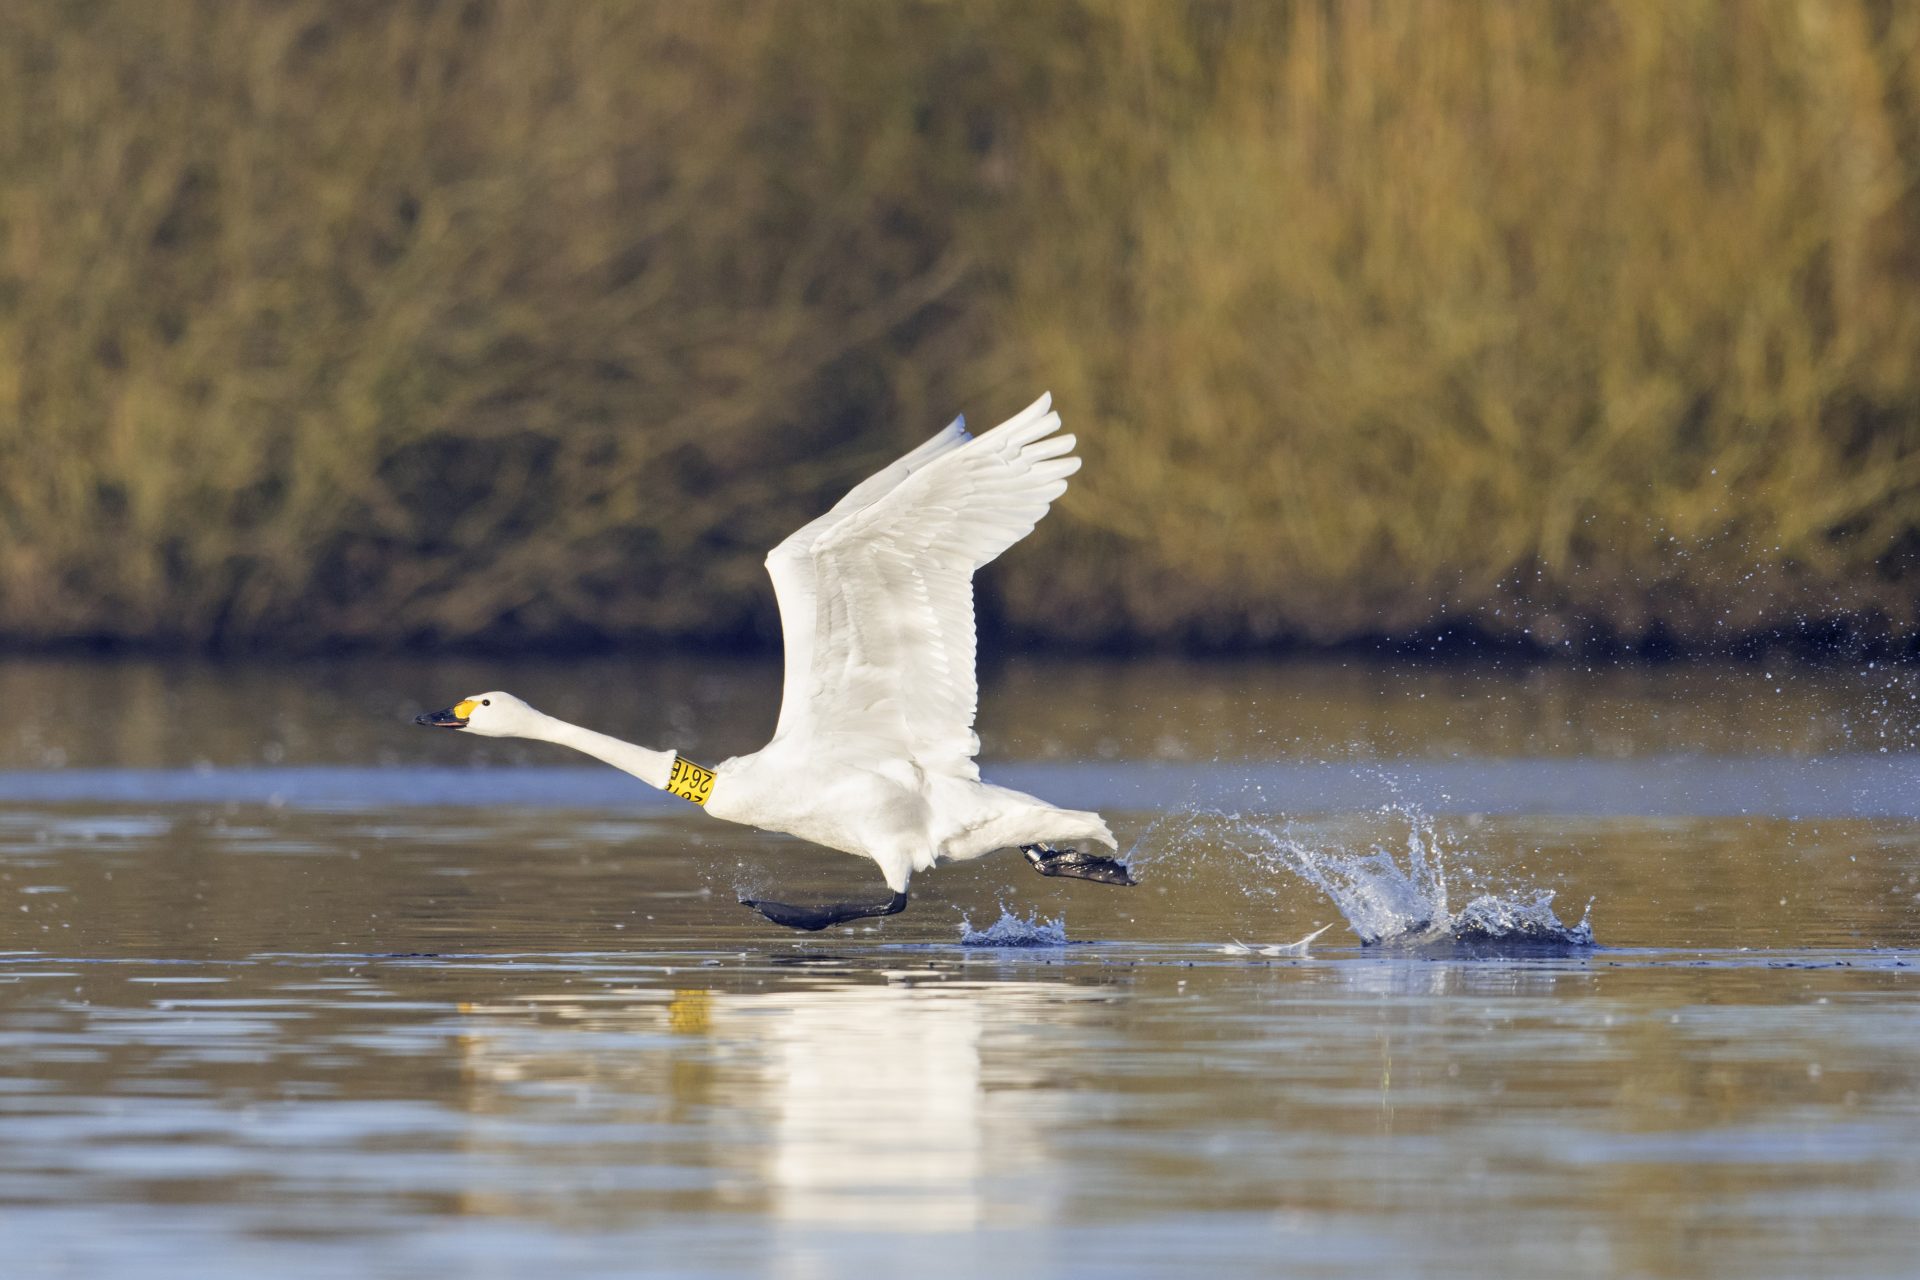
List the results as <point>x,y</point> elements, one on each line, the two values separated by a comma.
<point>461,710</point>
<point>689,781</point>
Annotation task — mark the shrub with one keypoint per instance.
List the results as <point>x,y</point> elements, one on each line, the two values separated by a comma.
<point>524,322</point>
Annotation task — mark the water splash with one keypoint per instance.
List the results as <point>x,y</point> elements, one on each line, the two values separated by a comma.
<point>1490,919</point>
<point>1382,894</point>
<point>1396,892</point>
<point>1400,895</point>
<point>1273,950</point>
<point>1012,931</point>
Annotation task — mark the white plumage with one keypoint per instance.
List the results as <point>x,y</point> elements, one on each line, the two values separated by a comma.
<point>873,751</point>
<point>876,605</point>
<point>876,596</point>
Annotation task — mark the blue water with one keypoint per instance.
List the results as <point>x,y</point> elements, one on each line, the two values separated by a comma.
<point>1841,786</point>
<point>1614,974</point>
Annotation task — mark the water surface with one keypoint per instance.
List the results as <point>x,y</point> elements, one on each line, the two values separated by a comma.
<point>290,987</point>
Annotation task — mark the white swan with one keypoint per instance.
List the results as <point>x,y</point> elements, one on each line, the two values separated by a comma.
<point>873,752</point>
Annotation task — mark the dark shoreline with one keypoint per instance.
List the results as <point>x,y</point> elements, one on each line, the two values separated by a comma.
<point>1831,641</point>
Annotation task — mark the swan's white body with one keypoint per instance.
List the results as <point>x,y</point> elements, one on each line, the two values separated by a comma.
<point>873,752</point>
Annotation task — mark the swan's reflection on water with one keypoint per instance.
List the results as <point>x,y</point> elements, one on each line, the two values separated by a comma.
<point>883,1117</point>
<point>855,1101</point>
<point>901,1103</point>
<point>1099,1110</point>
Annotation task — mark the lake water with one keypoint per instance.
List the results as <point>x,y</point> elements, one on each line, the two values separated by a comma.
<point>290,987</point>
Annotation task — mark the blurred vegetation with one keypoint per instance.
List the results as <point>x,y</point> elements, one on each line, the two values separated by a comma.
<point>521,322</point>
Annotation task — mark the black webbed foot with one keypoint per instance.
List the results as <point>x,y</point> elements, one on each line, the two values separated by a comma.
<point>813,919</point>
<point>1049,861</point>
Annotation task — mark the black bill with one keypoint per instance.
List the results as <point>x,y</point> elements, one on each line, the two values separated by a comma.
<point>454,717</point>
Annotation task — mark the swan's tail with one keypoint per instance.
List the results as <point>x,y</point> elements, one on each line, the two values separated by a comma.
<point>991,817</point>
<point>1075,827</point>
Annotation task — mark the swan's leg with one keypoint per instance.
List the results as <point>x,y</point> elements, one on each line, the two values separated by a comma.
<point>816,918</point>
<point>1049,861</point>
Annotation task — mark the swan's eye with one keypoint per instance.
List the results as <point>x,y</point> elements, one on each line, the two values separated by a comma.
<point>486,702</point>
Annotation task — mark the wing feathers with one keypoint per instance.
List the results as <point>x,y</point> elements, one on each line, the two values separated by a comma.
<point>876,597</point>
<point>791,566</point>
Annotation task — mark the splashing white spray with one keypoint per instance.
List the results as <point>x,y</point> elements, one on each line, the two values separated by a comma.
<point>1390,893</point>
<point>1012,931</point>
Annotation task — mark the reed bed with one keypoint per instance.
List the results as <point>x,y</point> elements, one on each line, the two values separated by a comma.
<point>1570,326</point>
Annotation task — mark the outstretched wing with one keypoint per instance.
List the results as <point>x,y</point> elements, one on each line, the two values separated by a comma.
<point>876,596</point>
<point>791,566</point>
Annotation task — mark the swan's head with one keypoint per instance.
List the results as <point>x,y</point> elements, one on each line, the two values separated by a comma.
<point>491,715</point>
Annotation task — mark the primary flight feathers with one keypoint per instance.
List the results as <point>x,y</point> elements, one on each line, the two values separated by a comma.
<point>876,596</point>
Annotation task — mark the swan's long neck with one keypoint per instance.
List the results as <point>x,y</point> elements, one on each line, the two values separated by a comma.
<point>644,763</point>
